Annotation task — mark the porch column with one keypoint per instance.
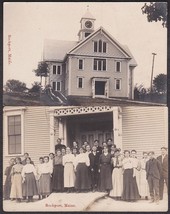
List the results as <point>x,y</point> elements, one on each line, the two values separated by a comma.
<point>107,88</point>
<point>93,88</point>
<point>65,132</point>
<point>52,146</point>
<point>61,129</point>
<point>117,128</point>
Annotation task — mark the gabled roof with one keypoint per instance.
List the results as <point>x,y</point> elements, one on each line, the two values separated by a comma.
<point>103,31</point>
<point>55,50</point>
<point>132,61</point>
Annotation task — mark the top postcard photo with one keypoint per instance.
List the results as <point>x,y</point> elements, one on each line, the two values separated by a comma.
<point>85,54</point>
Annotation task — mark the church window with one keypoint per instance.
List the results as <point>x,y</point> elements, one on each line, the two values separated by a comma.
<point>59,69</point>
<point>99,65</point>
<point>81,64</point>
<point>80,81</point>
<point>118,84</point>
<point>54,69</point>
<point>118,66</point>
<point>100,46</point>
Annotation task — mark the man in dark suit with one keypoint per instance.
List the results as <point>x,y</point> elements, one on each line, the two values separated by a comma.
<point>94,167</point>
<point>153,174</point>
<point>59,146</point>
<point>99,149</point>
<point>163,159</point>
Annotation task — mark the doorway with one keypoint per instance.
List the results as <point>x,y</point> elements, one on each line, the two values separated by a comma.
<point>100,87</point>
<point>89,127</point>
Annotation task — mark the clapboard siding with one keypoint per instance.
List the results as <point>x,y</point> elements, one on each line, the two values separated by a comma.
<point>37,129</point>
<point>145,128</point>
<point>36,134</point>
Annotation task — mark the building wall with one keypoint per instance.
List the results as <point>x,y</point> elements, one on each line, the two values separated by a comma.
<point>87,54</point>
<point>57,77</point>
<point>88,73</point>
<point>145,128</point>
<point>36,134</point>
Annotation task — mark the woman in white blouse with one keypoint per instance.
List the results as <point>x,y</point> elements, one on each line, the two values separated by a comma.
<point>69,175</point>
<point>130,189</point>
<point>81,167</point>
<point>28,175</point>
<point>45,178</point>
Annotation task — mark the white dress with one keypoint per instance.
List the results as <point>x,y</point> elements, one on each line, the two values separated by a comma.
<point>69,175</point>
<point>143,186</point>
<point>117,179</point>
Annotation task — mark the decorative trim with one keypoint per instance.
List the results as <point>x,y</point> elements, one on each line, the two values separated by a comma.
<point>82,110</point>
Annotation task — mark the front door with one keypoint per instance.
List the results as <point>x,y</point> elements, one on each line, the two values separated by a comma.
<point>100,87</point>
<point>101,136</point>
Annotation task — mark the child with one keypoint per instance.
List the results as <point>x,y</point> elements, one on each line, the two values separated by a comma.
<point>7,186</point>
<point>28,175</point>
<point>16,178</point>
<point>45,178</point>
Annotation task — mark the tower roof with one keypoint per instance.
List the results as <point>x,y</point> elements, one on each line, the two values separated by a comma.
<point>88,15</point>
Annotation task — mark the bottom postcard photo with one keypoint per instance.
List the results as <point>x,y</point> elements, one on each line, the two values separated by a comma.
<point>85,158</point>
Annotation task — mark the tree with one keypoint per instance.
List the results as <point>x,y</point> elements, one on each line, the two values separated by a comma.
<point>160,83</point>
<point>156,11</point>
<point>42,70</point>
<point>15,86</point>
<point>36,87</point>
<point>139,91</point>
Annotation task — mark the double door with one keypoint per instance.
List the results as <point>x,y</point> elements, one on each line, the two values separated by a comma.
<point>91,136</point>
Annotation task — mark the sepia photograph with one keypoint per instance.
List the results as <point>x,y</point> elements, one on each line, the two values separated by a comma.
<point>85,116</point>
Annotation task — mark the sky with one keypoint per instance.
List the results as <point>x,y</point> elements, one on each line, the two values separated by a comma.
<point>26,25</point>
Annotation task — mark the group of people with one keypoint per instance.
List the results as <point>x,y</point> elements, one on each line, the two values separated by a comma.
<point>122,175</point>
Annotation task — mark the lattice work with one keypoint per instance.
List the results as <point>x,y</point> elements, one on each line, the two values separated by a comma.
<point>82,110</point>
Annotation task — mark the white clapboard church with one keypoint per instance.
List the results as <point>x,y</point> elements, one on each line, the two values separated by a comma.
<point>96,65</point>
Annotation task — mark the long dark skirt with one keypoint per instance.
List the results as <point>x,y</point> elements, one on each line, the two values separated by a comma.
<point>29,186</point>
<point>105,181</point>
<point>130,189</point>
<point>58,178</point>
<point>82,177</point>
<point>7,185</point>
<point>45,184</point>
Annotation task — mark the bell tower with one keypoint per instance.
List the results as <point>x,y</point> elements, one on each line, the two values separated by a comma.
<point>86,25</point>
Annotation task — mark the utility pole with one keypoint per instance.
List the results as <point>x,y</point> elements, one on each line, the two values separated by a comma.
<point>154,54</point>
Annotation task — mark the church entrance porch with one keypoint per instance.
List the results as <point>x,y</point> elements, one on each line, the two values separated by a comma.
<point>85,124</point>
<point>100,87</point>
<point>89,127</point>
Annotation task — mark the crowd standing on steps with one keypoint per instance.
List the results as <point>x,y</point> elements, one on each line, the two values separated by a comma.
<point>83,169</point>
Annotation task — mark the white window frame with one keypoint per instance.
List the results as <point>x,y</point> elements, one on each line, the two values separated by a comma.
<point>93,47</point>
<point>56,86</point>
<point>82,66</point>
<point>78,82</point>
<point>117,61</point>
<point>60,70</point>
<point>98,64</point>
<point>13,112</point>
<point>53,69</point>
<point>101,47</point>
<point>120,84</point>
